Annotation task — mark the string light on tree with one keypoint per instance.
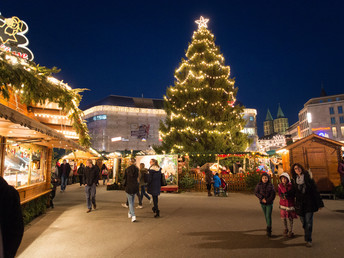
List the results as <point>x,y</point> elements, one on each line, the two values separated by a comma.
<point>200,106</point>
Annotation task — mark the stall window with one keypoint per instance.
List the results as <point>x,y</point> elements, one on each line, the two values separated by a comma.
<point>25,164</point>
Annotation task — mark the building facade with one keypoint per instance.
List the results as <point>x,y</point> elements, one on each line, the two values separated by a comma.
<point>323,116</point>
<point>119,123</point>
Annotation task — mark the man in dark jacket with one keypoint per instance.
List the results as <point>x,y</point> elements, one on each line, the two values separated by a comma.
<point>81,173</point>
<point>11,220</point>
<point>131,185</point>
<point>208,179</point>
<point>64,171</point>
<point>91,173</point>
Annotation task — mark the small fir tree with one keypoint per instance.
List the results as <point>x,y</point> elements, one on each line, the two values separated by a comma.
<point>201,111</point>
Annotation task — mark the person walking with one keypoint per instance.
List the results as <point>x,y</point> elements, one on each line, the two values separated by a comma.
<point>131,185</point>
<point>143,178</point>
<point>266,194</point>
<point>11,220</point>
<point>54,183</point>
<point>208,179</point>
<point>287,204</point>
<point>81,170</point>
<point>105,174</point>
<point>64,174</point>
<point>91,175</point>
<point>154,184</point>
<point>341,171</point>
<point>307,200</point>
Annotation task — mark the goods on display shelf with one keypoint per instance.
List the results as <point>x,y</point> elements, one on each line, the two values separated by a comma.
<point>24,164</point>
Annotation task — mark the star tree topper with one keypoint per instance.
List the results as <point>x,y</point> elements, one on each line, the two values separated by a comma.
<point>202,22</point>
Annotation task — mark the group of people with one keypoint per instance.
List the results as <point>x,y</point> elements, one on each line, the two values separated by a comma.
<point>136,179</point>
<point>298,197</point>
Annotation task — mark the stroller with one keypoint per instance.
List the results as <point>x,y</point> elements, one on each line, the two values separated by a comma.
<point>223,188</point>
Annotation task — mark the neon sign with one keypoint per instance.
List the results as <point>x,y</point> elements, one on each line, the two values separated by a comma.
<point>12,38</point>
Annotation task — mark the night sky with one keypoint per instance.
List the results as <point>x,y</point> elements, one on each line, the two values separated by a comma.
<point>279,51</point>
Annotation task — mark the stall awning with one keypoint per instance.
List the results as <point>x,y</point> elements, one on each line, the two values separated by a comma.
<point>17,126</point>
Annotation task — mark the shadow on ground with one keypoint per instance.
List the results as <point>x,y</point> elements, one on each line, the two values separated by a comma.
<point>241,240</point>
<point>340,211</point>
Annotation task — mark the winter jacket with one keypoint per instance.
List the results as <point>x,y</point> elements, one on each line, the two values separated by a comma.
<point>217,181</point>
<point>287,195</point>
<point>309,200</point>
<point>64,170</point>
<point>208,176</point>
<point>154,180</point>
<point>81,169</point>
<point>11,219</point>
<point>143,173</point>
<point>91,175</point>
<point>341,169</point>
<point>265,191</point>
<point>131,183</point>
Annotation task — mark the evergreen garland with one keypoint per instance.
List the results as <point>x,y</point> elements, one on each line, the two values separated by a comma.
<point>34,85</point>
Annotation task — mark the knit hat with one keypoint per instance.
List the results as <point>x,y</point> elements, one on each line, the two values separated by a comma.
<point>286,175</point>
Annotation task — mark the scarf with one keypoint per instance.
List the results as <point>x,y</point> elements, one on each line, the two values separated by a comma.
<point>300,181</point>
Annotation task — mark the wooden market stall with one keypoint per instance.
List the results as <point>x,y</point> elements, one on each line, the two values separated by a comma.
<point>318,154</point>
<point>26,151</point>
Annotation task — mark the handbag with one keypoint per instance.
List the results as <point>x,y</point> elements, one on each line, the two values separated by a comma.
<point>104,172</point>
<point>163,180</point>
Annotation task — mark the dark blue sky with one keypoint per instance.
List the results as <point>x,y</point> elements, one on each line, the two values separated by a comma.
<point>279,51</point>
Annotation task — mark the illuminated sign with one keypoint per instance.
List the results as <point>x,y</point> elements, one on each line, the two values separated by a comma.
<point>321,129</point>
<point>323,134</point>
<point>12,38</point>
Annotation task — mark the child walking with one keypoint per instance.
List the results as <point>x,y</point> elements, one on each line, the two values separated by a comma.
<point>266,194</point>
<point>287,204</point>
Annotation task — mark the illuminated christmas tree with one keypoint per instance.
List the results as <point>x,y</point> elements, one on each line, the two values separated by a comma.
<point>201,112</point>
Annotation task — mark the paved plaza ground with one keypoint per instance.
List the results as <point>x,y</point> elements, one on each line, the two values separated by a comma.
<point>191,225</point>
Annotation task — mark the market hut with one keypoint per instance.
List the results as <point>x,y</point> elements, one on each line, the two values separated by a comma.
<point>318,154</point>
<point>37,113</point>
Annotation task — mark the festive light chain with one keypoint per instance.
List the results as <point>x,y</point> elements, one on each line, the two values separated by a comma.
<point>211,47</point>
<point>218,103</point>
<point>51,116</point>
<point>195,119</point>
<point>205,87</point>
<point>200,132</point>
<point>202,76</point>
<point>219,56</point>
<point>187,64</point>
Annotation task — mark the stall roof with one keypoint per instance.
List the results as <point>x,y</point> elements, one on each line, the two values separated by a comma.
<point>80,155</point>
<point>19,127</point>
<point>312,136</point>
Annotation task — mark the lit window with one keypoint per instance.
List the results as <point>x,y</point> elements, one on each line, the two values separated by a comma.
<point>340,110</point>
<point>342,130</point>
<point>252,118</point>
<point>331,110</point>
<point>333,120</point>
<point>334,131</point>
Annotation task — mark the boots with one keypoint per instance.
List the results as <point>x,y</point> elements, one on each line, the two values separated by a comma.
<point>268,231</point>
<point>209,193</point>
<point>157,214</point>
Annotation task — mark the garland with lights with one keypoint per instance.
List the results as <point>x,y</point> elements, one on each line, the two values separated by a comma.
<point>35,85</point>
<point>201,115</point>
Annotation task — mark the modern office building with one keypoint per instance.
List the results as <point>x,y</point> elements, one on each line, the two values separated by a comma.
<point>118,123</point>
<point>323,116</point>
